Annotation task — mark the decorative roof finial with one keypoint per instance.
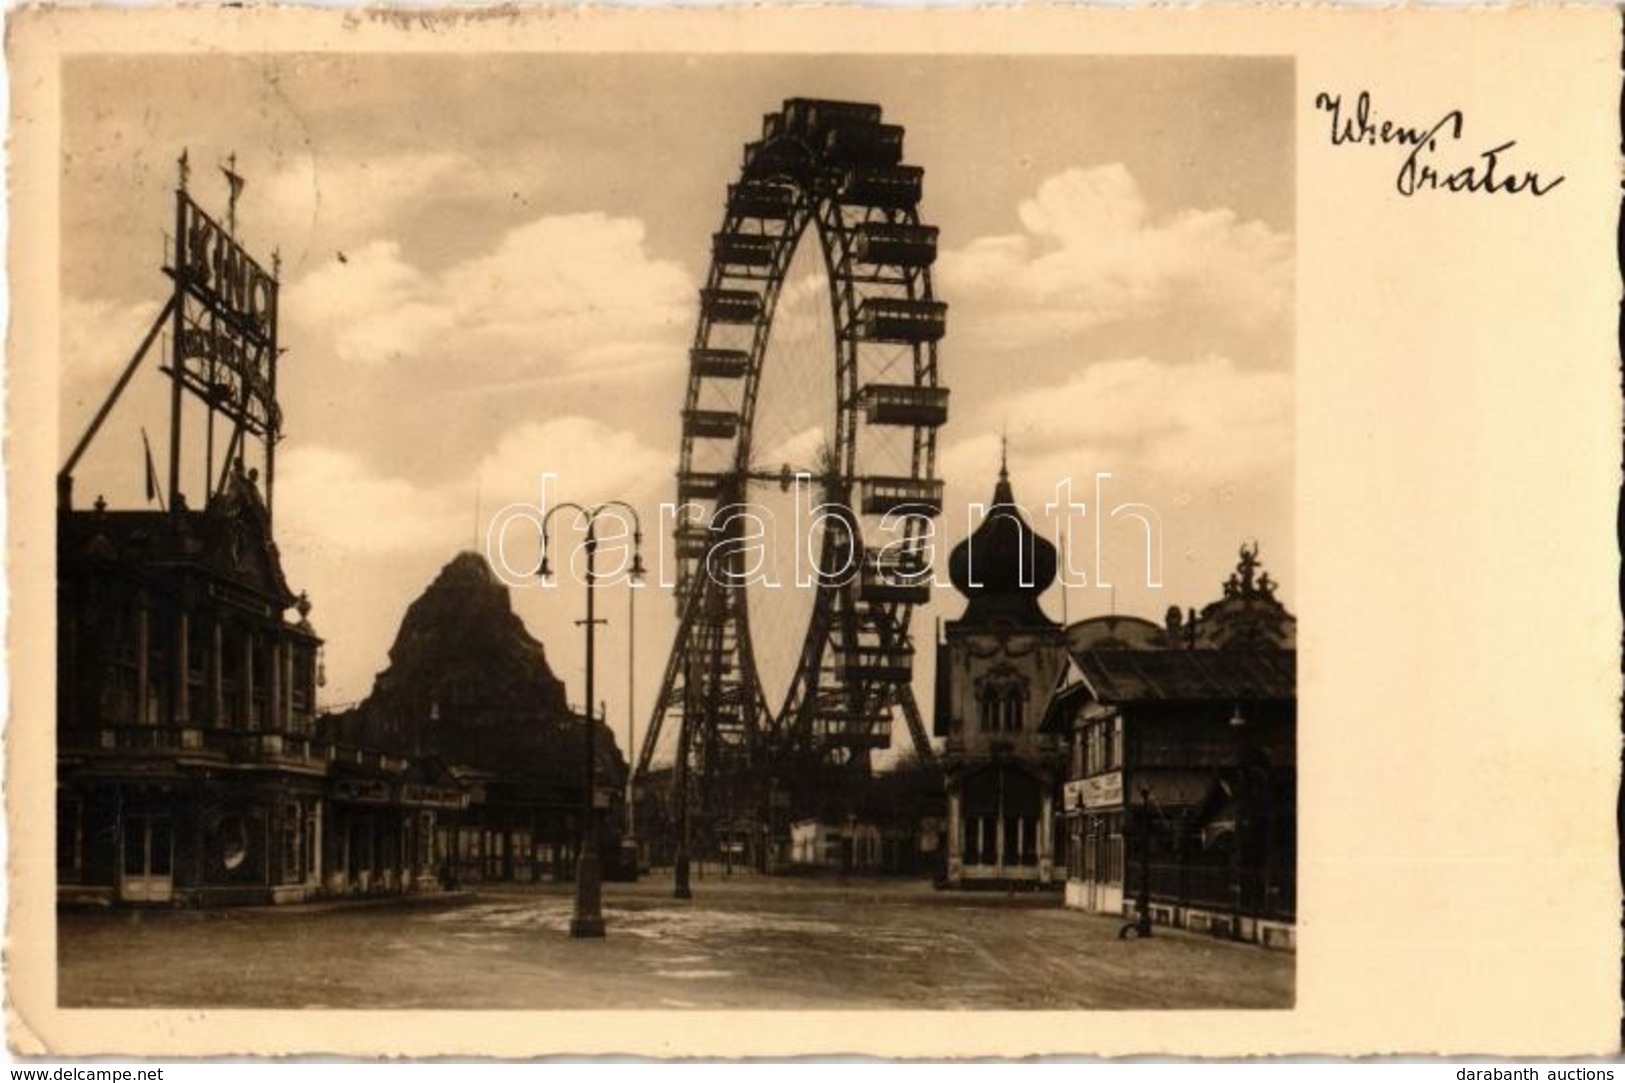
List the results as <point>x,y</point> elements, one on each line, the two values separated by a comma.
<point>1004,455</point>
<point>185,168</point>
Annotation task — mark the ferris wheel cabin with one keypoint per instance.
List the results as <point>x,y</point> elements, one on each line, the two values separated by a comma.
<point>811,116</point>
<point>761,199</point>
<point>865,144</point>
<point>744,249</point>
<point>888,665</point>
<point>694,486</point>
<point>896,188</point>
<point>892,579</point>
<point>693,539</point>
<point>710,424</point>
<point>895,243</point>
<point>767,157</point>
<point>905,404</point>
<point>730,306</point>
<point>720,364</point>
<point>901,320</point>
<point>883,495</point>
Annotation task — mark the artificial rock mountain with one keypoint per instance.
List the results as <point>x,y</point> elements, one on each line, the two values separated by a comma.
<point>468,684</point>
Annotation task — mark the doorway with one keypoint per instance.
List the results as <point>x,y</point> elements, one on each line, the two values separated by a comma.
<point>146,865</point>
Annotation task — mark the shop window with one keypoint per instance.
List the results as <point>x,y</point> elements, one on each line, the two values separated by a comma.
<point>311,844</point>
<point>495,854</point>
<point>146,846</point>
<point>293,844</point>
<point>69,839</point>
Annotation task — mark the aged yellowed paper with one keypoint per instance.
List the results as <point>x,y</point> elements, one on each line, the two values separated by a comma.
<point>1300,318</point>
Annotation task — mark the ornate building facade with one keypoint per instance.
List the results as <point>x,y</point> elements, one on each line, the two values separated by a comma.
<point>190,768</point>
<point>1181,792</point>
<point>191,765</point>
<point>997,667</point>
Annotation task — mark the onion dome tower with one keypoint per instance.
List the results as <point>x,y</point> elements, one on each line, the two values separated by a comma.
<point>997,667</point>
<point>1004,565</point>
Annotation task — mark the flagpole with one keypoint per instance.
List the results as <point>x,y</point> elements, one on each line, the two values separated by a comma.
<point>235,185</point>
<point>153,490</point>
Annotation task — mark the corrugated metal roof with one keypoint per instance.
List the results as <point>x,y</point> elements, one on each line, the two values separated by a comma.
<point>1130,676</point>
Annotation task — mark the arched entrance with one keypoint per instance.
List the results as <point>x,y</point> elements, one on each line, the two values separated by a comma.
<point>1002,823</point>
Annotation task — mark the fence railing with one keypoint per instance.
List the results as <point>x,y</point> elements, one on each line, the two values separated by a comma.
<point>1267,892</point>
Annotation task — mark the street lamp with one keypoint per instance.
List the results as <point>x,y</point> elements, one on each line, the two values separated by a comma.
<point>1238,726</point>
<point>1142,906</point>
<point>588,920</point>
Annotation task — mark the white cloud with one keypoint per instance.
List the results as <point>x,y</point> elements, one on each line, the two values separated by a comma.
<point>98,337</point>
<point>566,286</point>
<point>1207,444</point>
<point>335,502</point>
<point>1205,421</point>
<point>1092,253</point>
<point>346,201</point>
<point>592,461</point>
<point>329,499</point>
<point>565,295</point>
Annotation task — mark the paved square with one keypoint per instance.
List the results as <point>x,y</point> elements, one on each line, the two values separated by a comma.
<point>745,942</point>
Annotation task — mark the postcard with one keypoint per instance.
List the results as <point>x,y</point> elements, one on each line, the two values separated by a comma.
<point>761,532</point>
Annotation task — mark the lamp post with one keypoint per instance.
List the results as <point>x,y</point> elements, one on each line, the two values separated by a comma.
<point>588,920</point>
<point>1141,924</point>
<point>1238,726</point>
<point>631,725</point>
<point>1142,905</point>
<point>1142,914</point>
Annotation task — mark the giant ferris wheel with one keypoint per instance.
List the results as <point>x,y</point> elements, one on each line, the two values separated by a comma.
<point>806,483</point>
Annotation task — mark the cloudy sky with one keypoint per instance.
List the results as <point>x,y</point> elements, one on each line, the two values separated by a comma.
<point>490,267</point>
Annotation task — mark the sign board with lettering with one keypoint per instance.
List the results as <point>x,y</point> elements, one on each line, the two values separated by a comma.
<point>226,345</point>
<point>1098,791</point>
<point>216,269</point>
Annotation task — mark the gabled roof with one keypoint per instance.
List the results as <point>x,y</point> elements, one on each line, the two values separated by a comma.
<point>1063,707</point>
<point>1136,676</point>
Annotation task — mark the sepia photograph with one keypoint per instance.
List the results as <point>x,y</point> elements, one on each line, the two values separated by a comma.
<point>801,522</point>
<point>772,533</point>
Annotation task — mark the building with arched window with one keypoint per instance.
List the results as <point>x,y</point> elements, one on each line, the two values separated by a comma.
<point>997,667</point>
